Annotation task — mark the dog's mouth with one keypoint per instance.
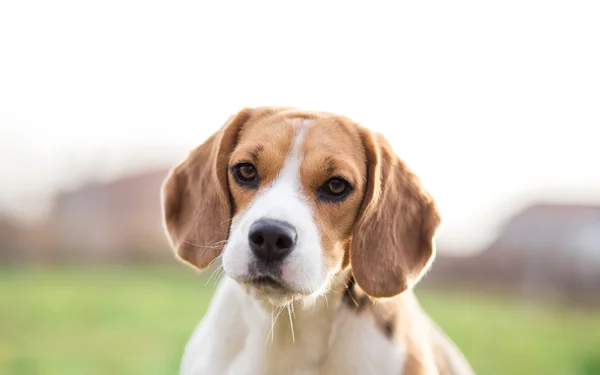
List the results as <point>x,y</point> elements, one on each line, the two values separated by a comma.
<point>266,281</point>
<point>270,288</point>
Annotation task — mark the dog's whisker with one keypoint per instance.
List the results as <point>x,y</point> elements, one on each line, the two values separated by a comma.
<point>312,284</point>
<point>214,260</point>
<point>271,330</point>
<point>216,245</point>
<point>226,221</point>
<point>221,273</point>
<point>272,325</point>
<point>291,323</point>
<point>274,322</point>
<point>307,286</point>
<point>216,271</point>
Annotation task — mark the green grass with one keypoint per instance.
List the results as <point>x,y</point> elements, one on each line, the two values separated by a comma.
<point>137,320</point>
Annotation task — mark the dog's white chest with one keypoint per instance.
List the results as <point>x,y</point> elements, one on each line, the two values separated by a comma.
<point>236,340</point>
<point>352,345</point>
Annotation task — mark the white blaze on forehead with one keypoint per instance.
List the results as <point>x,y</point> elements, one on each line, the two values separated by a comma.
<point>283,200</point>
<point>288,180</point>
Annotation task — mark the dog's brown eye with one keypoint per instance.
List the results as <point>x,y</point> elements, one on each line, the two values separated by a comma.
<point>245,173</point>
<point>336,186</point>
<point>334,190</point>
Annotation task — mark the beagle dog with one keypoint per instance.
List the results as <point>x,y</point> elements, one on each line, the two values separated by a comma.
<point>321,232</point>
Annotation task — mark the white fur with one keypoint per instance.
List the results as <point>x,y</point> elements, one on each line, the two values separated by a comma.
<point>237,337</point>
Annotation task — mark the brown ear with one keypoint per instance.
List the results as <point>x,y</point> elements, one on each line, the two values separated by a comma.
<point>392,244</point>
<point>195,197</point>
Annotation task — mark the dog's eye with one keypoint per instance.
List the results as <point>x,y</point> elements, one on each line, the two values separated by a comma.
<point>335,189</point>
<point>336,186</point>
<point>245,174</point>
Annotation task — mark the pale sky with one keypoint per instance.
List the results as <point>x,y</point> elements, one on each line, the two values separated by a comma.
<point>486,101</point>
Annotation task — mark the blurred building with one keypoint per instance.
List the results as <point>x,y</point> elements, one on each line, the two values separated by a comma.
<point>547,249</point>
<point>119,220</point>
<point>10,238</point>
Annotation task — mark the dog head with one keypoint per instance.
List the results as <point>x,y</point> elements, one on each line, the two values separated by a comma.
<point>290,198</point>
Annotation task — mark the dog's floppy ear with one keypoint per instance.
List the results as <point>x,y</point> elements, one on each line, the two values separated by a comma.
<point>392,244</point>
<point>196,200</point>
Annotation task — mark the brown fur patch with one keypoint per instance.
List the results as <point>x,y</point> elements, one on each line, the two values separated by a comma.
<point>329,150</point>
<point>392,243</point>
<point>265,145</point>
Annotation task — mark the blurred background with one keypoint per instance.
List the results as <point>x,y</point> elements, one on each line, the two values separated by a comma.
<point>495,105</point>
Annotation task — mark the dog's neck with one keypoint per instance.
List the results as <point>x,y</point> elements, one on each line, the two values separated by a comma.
<point>327,330</point>
<point>304,325</point>
<point>326,335</point>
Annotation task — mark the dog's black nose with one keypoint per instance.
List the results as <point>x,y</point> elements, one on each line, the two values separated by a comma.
<point>271,240</point>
